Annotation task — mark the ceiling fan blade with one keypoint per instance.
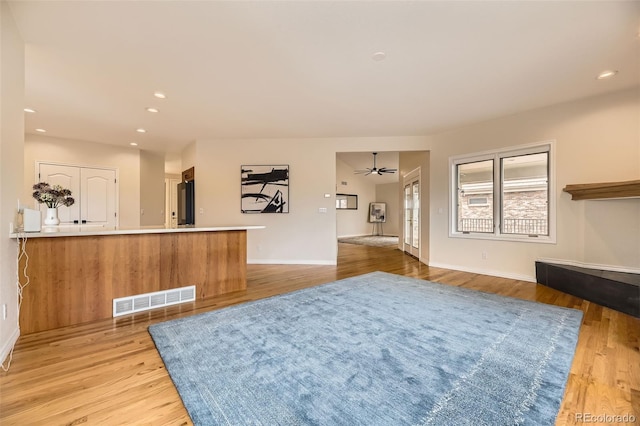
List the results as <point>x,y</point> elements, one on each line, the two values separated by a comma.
<point>385,170</point>
<point>359,172</point>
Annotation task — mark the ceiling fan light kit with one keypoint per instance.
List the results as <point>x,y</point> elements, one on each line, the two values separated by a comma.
<point>375,170</point>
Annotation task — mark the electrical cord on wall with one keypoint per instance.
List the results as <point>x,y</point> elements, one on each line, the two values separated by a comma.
<point>21,240</point>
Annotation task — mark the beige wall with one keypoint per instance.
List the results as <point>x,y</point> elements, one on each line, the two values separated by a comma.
<point>188,159</point>
<point>596,140</point>
<point>304,235</point>
<point>151,189</point>
<point>82,153</point>
<point>11,157</point>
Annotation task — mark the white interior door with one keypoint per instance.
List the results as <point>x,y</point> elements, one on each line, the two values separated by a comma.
<point>67,177</point>
<point>98,197</point>
<point>411,228</point>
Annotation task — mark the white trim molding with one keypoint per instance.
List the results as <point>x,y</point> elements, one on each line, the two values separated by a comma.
<point>9,344</point>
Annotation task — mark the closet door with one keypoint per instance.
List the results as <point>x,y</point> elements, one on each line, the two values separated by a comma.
<point>67,177</point>
<point>98,197</point>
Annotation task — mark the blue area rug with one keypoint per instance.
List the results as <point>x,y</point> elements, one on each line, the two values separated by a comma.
<point>377,349</point>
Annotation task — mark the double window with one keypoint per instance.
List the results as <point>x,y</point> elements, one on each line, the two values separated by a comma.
<point>506,194</point>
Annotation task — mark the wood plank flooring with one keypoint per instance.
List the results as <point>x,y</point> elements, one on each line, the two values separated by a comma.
<point>109,373</point>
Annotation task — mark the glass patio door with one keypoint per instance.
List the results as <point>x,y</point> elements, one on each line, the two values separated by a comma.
<point>411,231</point>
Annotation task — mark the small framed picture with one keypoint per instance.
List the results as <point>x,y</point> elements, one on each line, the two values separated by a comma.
<point>377,212</point>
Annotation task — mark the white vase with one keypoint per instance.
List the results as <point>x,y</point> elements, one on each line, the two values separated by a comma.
<point>52,217</point>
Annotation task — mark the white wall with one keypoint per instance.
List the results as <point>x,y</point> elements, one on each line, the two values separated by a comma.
<point>354,222</point>
<point>11,157</point>
<point>151,189</point>
<point>304,235</point>
<point>597,140</point>
<point>83,153</point>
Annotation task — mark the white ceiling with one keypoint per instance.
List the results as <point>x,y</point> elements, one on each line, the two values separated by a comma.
<point>304,68</point>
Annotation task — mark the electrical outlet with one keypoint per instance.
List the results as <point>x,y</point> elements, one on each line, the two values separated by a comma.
<point>484,255</point>
<point>11,227</point>
<point>4,311</point>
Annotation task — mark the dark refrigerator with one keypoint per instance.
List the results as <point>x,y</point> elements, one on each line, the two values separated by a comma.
<point>186,204</point>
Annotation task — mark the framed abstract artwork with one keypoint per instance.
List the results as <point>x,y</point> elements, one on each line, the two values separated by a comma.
<point>265,189</point>
<point>377,212</point>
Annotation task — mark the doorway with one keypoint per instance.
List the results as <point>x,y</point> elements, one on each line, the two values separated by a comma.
<point>171,202</point>
<point>411,219</point>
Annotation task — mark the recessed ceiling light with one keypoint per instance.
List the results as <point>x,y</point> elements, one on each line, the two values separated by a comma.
<point>379,56</point>
<point>160,95</point>
<point>31,110</point>
<point>606,74</point>
<point>141,130</point>
<point>133,144</point>
<point>152,109</point>
<point>41,130</point>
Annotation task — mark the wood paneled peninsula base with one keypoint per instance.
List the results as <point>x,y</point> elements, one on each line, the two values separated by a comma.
<point>74,274</point>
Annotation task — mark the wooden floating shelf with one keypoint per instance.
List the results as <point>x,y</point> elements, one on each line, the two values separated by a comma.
<point>595,191</point>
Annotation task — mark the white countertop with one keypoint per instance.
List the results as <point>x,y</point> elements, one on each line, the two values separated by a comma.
<point>88,230</point>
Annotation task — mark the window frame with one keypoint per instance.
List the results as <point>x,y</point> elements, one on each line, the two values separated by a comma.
<point>498,191</point>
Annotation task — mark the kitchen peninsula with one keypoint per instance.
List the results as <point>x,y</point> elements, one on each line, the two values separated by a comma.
<point>75,273</point>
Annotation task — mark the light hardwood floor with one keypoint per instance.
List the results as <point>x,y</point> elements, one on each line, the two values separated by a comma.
<point>109,372</point>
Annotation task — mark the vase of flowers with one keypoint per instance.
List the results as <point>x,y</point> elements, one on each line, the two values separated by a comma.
<point>53,196</point>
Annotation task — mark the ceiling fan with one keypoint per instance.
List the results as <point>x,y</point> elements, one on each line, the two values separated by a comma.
<point>375,170</point>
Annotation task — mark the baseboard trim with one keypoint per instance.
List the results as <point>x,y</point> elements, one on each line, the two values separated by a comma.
<point>578,264</point>
<point>490,272</point>
<point>8,345</point>
<point>290,262</point>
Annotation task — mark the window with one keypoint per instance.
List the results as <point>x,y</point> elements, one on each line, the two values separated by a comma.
<point>478,201</point>
<point>504,194</point>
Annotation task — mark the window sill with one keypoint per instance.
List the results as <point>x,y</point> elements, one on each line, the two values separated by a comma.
<point>502,237</point>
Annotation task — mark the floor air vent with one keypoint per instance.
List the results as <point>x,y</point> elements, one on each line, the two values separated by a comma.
<point>158,299</point>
